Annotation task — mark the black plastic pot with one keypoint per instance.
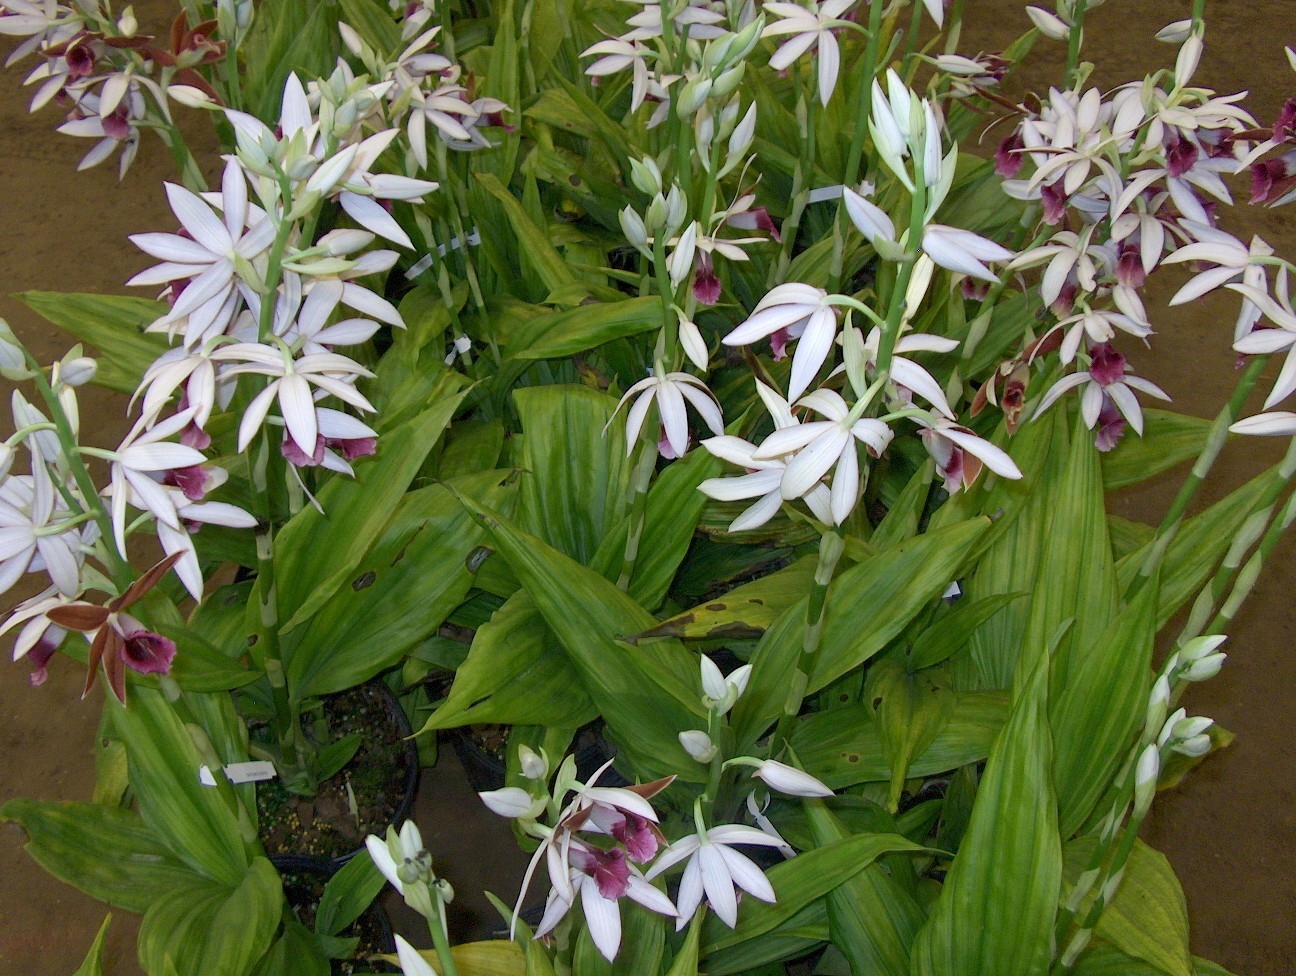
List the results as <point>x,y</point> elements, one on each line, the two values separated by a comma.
<point>406,789</point>
<point>486,771</point>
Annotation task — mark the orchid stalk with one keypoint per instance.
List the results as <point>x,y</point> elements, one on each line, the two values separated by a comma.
<point>831,546</point>
<point>1215,439</point>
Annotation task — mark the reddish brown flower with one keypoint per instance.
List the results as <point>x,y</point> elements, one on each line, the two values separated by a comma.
<point>120,641</point>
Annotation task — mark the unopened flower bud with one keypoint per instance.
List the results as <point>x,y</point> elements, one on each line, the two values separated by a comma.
<point>1049,24</point>
<point>13,364</point>
<point>1188,728</point>
<point>1199,647</point>
<point>692,96</point>
<point>1203,669</point>
<point>790,780</point>
<point>1175,32</point>
<point>127,23</point>
<point>1145,779</point>
<point>445,890</point>
<point>646,175</point>
<point>1195,747</point>
<point>189,96</point>
<point>681,260</point>
<point>512,802</point>
<point>656,217</point>
<point>1158,705</point>
<point>75,372</point>
<point>533,764</point>
<point>1167,728</point>
<point>728,82</point>
<point>632,226</point>
<point>698,745</point>
<point>676,210</point>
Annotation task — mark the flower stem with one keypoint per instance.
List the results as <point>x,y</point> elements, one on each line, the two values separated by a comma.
<point>440,940</point>
<point>643,473</point>
<point>1210,451</point>
<point>831,546</point>
<point>1074,40</point>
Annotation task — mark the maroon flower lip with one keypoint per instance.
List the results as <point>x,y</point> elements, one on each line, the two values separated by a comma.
<point>120,640</point>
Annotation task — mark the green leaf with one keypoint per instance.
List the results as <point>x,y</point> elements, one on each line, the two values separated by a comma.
<point>792,938</point>
<point>871,919</point>
<point>901,520</point>
<point>113,324</point>
<point>843,746</point>
<point>315,553</point>
<point>571,109</point>
<point>1099,710</point>
<point>534,246</point>
<point>210,928</point>
<point>798,882</point>
<point>953,632</point>
<point>188,818</point>
<point>297,952</point>
<point>575,484</point>
<point>555,335</point>
<point>1010,562</point>
<point>200,667</point>
<point>347,894</point>
<point>1168,439</point>
<point>671,515</point>
<point>1104,960</point>
<point>93,964</point>
<point>515,674</point>
<point>1148,918</point>
<point>746,611</point>
<point>893,585</point>
<point>995,912</point>
<point>910,709</point>
<point>648,694</point>
<point>107,852</point>
<point>410,580</point>
<point>1076,577</point>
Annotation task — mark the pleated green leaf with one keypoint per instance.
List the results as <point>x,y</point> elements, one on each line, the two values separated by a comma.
<point>1101,959</point>
<point>910,709</point>
<point>372,20</point>
<point>1097,713</point>
<point>515,674</point>
<point>868,605</point>
<point>995,913</point>
<point>112,324</point>
<point>745,611</point>
<point>316,553</point>
<point>1168,439</point>
<point>647,695</point>
<point>952,632</point>
<point>871,919</point>
<point>1148,918</point>
<point>804,932</point>
<point>188,818</point>
<point>537,252</point>
<point>671,515</point>
<point>1076,576</point>
<point>843,747</point>
<point>797,883</point>
<point>347,894</point>
<point>575,477</point>
<point>411,579</point>
<point>212,928</point>
<point>553,335</point>
<point>107,852</point>
<point>1011,561</point>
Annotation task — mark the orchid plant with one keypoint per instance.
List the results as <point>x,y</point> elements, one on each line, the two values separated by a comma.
<point>698,379</point>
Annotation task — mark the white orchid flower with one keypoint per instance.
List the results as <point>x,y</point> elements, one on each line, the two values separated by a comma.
<point>670,391</point>
<point>811,28</point>
<point>715,870</point>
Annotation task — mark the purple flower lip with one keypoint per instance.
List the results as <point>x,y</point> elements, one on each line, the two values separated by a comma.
<point>1107,366</point>
<point>148,653</point>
